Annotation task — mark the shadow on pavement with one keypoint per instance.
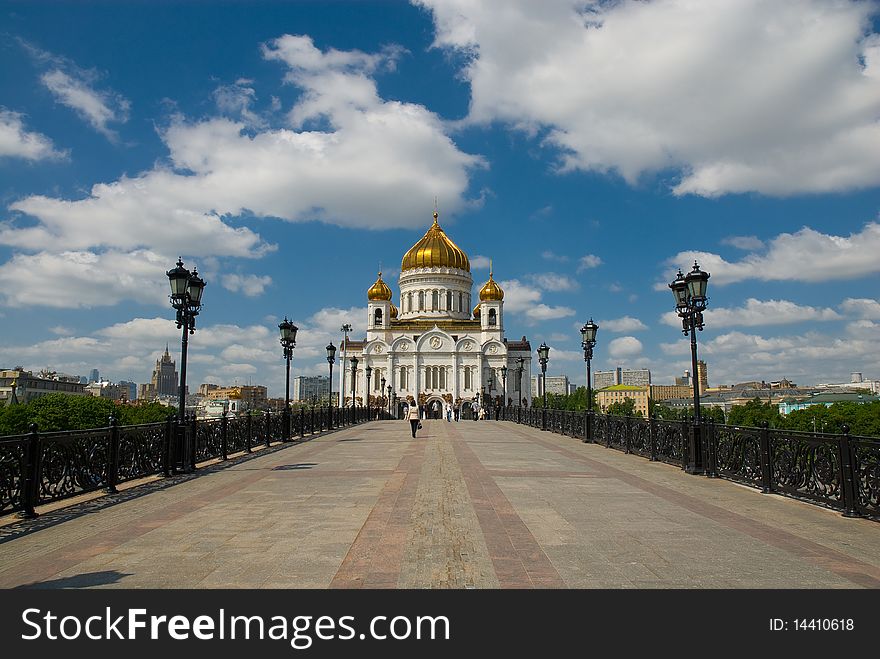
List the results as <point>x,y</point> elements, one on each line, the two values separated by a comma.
<point>86,580</point>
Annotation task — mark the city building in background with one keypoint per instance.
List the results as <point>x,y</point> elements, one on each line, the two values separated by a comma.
<point>308,388</point>
<point>619,393</point>
<point>702,375</point>
<point>252,397</point>
<point>94,376</point>
<point>556,384</point>
<point>661,392</point>
<point>106,389</point>
<point>635,377</point>
<point>685,380</point>
<point>28,386</point>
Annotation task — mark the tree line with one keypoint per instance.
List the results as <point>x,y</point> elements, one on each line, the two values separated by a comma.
<point>862,418</point>
<point>62,412</point>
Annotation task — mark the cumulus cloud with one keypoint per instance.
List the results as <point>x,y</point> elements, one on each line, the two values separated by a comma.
<point>588,261</point>
<point>861,307</point>
<point>237,101</point>
<point>759,312</point>
<point>525,299</point>
<point>68,279</point>
<point>97,107</point>
<point>829,257</point>
<point>737,95</point>
<point>18,142</point>
<point>550,281</point>
<point>479,262</point>
<point>250,285</point>
<point>550,255</point>
<point>624,346</point>
<point>748,243</point>
<point>343,136</point>
<point>622,324</point>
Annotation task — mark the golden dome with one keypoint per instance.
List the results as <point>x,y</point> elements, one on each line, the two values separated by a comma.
<point>491,290</point>
<point>379,290</point>
<point>435,250</point>
<point>393,311</point>
<point>477,311</point>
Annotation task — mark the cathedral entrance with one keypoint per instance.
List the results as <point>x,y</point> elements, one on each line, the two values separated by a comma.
<point>434,407</point>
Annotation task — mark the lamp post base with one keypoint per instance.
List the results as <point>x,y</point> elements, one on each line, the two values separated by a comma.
<point>694,464</point>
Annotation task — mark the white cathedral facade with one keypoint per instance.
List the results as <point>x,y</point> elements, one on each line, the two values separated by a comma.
<point>434,347</point>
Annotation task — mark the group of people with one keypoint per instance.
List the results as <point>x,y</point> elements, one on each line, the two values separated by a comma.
<point>415,413</point>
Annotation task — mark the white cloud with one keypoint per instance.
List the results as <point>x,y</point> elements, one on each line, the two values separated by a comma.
<point>862,307</point>
<point>738,95</point>
<point>550,281</point>
<point>344,137</point>
<point>479,262</point>
<point>250,285</point>
<point>622,324</point>
<point>72,279</point>
<point>525,299</point>
<point>16,141</point>
<point>237,100</point>
<point>748,243</point>
<point>588,261</point>
<point>552,256</point>
<point>624,346</point>
<point>758,313</point>
<point>98,108</point>
<point>61,330</point>
<point>806,255</point>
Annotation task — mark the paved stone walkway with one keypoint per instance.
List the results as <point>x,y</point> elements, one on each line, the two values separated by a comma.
<point>466,505</point>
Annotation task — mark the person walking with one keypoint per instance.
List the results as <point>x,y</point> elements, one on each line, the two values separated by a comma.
<point>447,411</point>
<point>413,416</point>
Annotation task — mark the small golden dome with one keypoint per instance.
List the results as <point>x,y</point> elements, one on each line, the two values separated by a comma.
<point>379,290</point>
<point>393,311</point>
<point>491,290</point>
<point>435,250</point>
<point>477,311</point>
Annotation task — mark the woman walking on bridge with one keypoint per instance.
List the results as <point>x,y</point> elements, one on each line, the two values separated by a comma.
<point>413,416</point>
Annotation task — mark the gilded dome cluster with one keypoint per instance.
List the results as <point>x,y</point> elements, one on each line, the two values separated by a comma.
<point>379,290</point>
<point>435,250</point>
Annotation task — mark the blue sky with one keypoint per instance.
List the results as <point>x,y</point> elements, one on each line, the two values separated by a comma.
<point>589,150</point>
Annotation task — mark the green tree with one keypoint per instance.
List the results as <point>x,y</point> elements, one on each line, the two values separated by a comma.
<point>626,407</point>
<point>754,412</point>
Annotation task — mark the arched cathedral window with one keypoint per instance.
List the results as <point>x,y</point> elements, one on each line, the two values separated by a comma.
<point>492,317</point>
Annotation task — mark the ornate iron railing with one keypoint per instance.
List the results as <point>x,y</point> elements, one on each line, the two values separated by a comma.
<point>836,471</point>
<point>38,468</point>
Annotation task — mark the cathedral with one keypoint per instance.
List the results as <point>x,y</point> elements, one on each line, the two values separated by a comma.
<point>432,346</point>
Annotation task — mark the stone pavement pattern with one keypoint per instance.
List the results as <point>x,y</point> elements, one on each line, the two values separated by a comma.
<point>466,505</point>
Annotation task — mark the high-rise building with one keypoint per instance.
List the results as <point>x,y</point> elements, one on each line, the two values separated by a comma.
<point>702,375</point>
<point>164,381</point>
<point>602,379</point>
<point>309,388</point>
<point>556,384</point>
<point>129,389</point>
<point>94,376</point>
<point>638,377</point>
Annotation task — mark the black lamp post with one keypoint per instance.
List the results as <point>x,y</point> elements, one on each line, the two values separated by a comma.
<point>490,383</point>
<point>543,358</point>
<point>389,397</point>
<point>186,298</point>
<point>520,367</point>
<point>368,371</point>
<point>690,302</point>
<point>288,342</point>
<point>331,359</point>
<point>504,383</point>
<point>381,390</point>
<point>588,342</point>
<point>354,368</point>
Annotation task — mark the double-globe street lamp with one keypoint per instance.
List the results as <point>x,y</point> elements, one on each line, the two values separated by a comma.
<point>504,384</point>
<point>331,359</point>
<point>520,367</point>
<point>368,371</point>
<point>543,358</point>
<point>186,298</point>
<point>588,342</point>
<point>690,302</point>
<point>354,369</point>
<point>389,398</point>
<point>288,342</point>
